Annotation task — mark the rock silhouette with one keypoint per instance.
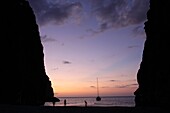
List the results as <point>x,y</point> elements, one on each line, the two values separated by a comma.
<point>23,80</point>
<point>154,73</point>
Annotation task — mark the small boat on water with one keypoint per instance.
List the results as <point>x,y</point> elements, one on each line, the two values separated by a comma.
<point>98,98</point>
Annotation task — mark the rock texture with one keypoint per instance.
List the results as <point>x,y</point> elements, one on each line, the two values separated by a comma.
<point>154,73</point>
<point>23,79</point>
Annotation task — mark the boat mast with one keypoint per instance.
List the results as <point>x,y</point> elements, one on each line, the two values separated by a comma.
<point>97,88</point>
<point>98,97</point>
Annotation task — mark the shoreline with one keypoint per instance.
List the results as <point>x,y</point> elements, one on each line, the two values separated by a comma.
<point>78,109</point>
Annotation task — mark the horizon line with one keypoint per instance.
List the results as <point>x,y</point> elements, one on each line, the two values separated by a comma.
<point>92,96</point>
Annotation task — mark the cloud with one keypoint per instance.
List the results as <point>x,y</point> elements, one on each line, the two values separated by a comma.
<point>45,38</point>
<point>139,30</point>
<point>119,13</point>
<point>113,80</point>
<point>126,86</point>
<point>57,12</point>
<point>133,46</point>
<point>66,62</point>
<point>109,13</point>
<point>105,87</point>
<point>93,86</point>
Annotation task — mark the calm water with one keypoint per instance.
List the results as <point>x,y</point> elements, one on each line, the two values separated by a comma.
<point>91,101</point>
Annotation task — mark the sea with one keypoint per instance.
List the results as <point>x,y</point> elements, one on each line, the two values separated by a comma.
<point>108,101</point>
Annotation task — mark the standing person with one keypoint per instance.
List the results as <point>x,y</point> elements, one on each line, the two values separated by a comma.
<point>53,103</point>
<point>85,103</point>
<point>65,102</point>
<point>55,99</point>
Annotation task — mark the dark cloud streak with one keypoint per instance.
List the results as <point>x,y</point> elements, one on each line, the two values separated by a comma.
<point>113,80</point>
<point>93,86</point>
<point>66,62</point>
<point>126,86</point>
<point>133,46</point>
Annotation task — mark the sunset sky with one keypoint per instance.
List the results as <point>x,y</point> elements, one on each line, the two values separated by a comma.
<point>88,39</point>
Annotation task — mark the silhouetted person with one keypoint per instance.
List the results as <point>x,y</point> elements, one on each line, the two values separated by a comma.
<point>65,102</point>
<point>53,103</point>
<point>54,100</point>
<point>85,103</point>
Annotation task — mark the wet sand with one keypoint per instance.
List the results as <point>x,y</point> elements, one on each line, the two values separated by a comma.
<point>75,109</point>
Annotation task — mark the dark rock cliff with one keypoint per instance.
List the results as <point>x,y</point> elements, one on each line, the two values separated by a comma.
<point>23,79</point>
<point>154,73</point>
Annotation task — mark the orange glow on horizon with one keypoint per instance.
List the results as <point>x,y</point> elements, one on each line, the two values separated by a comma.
<point>84,85</point>
<point>86,91</point>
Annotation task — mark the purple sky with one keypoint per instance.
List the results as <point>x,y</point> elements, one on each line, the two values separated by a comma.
<point>86,39</point>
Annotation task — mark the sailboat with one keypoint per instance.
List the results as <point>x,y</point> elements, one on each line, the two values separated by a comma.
<point>98,98</point>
